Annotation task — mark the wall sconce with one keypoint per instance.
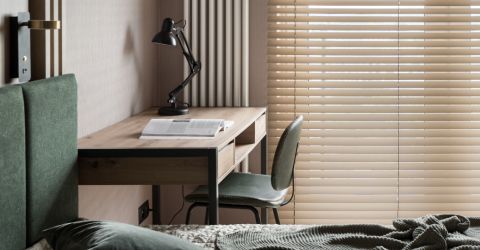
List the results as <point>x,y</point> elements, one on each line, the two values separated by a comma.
<point>20,65</point>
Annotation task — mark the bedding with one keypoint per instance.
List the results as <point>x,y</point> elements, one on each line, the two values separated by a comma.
<point>429,232</point>
<point>432,232</point>
<point>103,235</point>
<point>205,236</point>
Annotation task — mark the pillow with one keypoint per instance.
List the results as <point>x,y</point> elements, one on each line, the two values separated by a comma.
<point>101,235</point>
<point>41,245</point>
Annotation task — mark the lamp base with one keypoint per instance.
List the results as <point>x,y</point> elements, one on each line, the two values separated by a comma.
<point>173,110</point>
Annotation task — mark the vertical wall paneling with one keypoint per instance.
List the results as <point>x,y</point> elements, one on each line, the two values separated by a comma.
<point>47,46</point>
<point>47,71</point>
<point>219,36</point>
<point>194,31</point>
<point>203,30</point>
<point>237,51</point>
<point>212,45</point>
<point>54,38</point>
<point>186,13</point>
<point>228,52</point>
<point>61,34</point>
<point>245,52</point>
<point>220,50</point>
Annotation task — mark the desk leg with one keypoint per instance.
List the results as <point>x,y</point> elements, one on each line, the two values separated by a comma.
<point>212,187</point>
<point>263,165</point>
<point>156,205</point>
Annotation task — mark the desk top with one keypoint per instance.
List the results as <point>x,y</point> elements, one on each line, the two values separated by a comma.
<point>125,134</point>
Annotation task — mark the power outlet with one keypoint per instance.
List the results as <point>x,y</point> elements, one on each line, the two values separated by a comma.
<point>143,212</point>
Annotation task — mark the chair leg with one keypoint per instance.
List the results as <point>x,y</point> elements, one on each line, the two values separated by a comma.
<point>277,218</point>
<point>255,212</point>
<point>189,211</point>
<point>251,208</point>
<point>206,215</point>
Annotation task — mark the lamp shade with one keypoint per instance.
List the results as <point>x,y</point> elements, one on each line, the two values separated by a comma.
<point>166,35</point>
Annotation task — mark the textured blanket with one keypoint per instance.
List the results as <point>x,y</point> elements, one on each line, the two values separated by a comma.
<point>433,232</point>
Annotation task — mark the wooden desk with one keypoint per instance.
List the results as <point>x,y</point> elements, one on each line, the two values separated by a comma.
<point>116,155</point>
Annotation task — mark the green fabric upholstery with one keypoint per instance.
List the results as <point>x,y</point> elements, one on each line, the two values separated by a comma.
<point>12,169</point>
<point>284,159</point>
<point>51,130</point>
<point>98,235</point>
<point>242,189</point>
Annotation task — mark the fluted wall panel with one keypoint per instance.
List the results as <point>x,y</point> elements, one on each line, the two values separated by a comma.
<point>218,32</point>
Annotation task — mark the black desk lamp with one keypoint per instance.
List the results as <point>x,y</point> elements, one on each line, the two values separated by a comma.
<point>171,32</point>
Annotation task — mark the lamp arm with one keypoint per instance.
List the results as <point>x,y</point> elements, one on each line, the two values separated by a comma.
<point>187,51</point>
<point>193,64</point>
<point>173,94</point>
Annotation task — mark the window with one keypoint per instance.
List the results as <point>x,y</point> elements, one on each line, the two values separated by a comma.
<point>391,95</point>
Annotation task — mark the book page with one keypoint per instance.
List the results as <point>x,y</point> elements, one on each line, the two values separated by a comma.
<point>183,127</point>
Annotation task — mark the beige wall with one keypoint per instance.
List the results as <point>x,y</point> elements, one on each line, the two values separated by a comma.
<point>258,64</point>
<point>7,8</point>
<point>258,53</point>
<point>170,70</point>
<point>108,47</point>
<point>172,74</point>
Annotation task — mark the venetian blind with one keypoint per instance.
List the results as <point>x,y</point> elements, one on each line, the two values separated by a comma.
<point>389,92</point>
<point>440,104</point>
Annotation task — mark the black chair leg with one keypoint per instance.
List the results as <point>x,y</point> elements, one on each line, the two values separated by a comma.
<point>255,212</point>
<point>253,209</point>
<point>187,221</point>
<point>277,218</point>
<point>189,211</point>
<point>206,215</point>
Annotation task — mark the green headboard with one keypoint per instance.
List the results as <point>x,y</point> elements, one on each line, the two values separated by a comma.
<point>51,153</point>
<point>52,177</point>
<point>38,154</point>
<point>12,169</point>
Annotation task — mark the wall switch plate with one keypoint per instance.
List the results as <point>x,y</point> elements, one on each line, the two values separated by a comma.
<point>143,212</point>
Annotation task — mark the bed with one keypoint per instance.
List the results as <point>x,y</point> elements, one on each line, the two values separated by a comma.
<point>38,180</point>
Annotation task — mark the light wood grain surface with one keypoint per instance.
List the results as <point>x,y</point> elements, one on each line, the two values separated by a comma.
<point>125,135</point>
<point>233,146</point>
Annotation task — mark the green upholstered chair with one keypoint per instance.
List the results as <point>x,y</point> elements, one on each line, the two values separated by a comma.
<point>247,191</point>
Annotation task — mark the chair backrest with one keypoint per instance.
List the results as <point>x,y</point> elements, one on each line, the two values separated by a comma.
<point>284,159</point>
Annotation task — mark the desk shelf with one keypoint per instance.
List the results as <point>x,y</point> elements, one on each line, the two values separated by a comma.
<point>246,141</point>
<point>242,151</point>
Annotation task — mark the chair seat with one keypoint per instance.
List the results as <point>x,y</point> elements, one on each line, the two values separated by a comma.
<point>242,189</point>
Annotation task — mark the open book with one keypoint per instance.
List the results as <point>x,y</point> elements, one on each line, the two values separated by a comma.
<point>187,128</point>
